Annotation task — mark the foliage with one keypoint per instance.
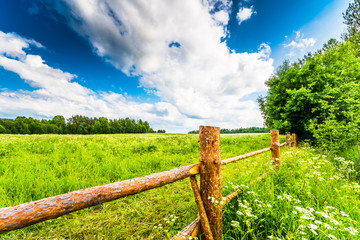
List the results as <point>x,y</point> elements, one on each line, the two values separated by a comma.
<point>318,97</point>
<point>238,130</point>
<point>306,96</point>
<point>75,125</point>
<point>352,20</point>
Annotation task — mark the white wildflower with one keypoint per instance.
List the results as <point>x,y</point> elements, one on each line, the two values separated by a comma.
<point>344,214</point>
<point>313,231</point>
<point>328,226</point>
<point>352,230</point>
<point>235,223</point>
<point>306,216</point>
<point>313,226</point>
<point>334,221</point>
<point>239,213</point>
<point>324,215</point>
<point>332,237</point>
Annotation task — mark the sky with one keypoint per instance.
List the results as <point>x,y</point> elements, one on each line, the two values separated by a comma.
<point>177,64</point>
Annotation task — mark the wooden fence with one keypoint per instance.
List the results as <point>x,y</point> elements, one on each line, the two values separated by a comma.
<point>209,168</point>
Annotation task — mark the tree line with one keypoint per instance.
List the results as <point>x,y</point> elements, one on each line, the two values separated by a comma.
<point>77,124</point>
<point>239,130</point>
<point>318,97</point>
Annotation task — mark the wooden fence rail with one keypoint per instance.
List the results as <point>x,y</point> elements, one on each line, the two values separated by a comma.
<point>209,168</point>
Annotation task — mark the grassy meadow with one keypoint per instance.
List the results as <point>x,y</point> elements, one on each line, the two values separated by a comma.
<point>313,196</point>
<point>33,167</point>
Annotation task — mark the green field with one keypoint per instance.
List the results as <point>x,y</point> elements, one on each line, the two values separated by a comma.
<point>311,197</point>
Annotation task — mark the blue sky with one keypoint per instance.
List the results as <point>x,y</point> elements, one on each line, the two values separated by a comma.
<point>177,64</point>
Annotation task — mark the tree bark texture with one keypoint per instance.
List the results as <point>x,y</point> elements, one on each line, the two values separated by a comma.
<point>294,140</point>
<point>210,177</point>
<point>288,140</point>
<point>204,221</point>
<point>275,148</point>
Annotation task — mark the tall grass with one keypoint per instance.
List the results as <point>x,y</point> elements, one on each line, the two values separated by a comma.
<point>35,167</point>
<point>311,197</point>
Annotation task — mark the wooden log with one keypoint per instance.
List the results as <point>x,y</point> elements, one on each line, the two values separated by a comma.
<point>288,140</point>
<point>205,227</point>
<point>237,192</point>
<point>210,178</point>
<point>26,214</point>
<point>260,177</point>
<point>191,230</point>
<point>195,170</point>
<point>232,196</point>
<point>294,140</point>
<point>275,148</point>
<point>237,158</point>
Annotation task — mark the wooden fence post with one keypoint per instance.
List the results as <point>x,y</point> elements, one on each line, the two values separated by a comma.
<point>210,178</point>
<point>204,221</point>
<point>275,148</point>
<point>294,140</point>
<point>288,140</point>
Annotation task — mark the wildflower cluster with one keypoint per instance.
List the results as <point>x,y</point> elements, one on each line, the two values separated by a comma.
<point>328,222</point>
<point>167,221</point>
<point>290,204</point>
<point>216,202</point>
<point>288,198</point>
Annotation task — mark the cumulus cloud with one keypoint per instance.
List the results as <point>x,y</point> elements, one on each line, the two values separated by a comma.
<point>301,42</point>
<point>56,93</point>
<point>200,76</point>
<point>244,14</point>
<point>298,44</point>
<point>177,49</point>
<point>12,45</point>
<point>265,50</point>
<point>222,17</point>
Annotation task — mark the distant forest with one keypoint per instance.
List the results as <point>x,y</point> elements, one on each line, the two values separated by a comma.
<point>75,125</point>
<point>239,130</point>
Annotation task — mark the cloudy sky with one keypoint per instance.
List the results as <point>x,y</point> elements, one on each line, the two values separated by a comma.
<point>177,64</point>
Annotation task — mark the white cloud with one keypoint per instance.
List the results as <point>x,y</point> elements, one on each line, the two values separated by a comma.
<point>264,50</point>
<point>177,50</point>
<point>56,93</point>
<point>222,17</point>
<point>300,41</point>
<point>244,14</point>
<point>201,77</point>
<point>298,45</point>
<point>11,45</point>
